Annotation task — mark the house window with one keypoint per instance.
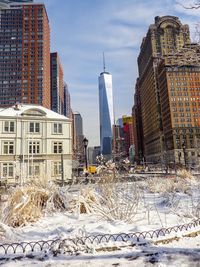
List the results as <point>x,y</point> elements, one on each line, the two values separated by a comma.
<point>57,128</point>
<point>34,170</point>
<point>34,147</point>
<point>57,147</point>
<point>34,127</point>
<point>8,147</point>
<point>9,126</point>
<point>8,170</point>
<point>56,170</point>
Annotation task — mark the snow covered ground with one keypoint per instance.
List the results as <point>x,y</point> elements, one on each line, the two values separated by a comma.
<point>154,211</point>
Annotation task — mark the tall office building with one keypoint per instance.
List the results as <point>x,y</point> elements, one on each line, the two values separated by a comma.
<point>138,127</point>
<point>78,137</point>
<point>167,35</point>
<point>167,92</point>
<point>179,90</point>
<point>24,54</point>
<point>128,132</point>
<point>106,113</point>
<point>67,102</point>
<point>57,84</point>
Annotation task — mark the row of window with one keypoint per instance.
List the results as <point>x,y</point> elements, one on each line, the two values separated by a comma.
<point>34,127</point>
<point>34,147</point>
<point>34,170</point>
<point>184,94</point>
<point>184,79</point>
<point>189,71</point>
<point>183,120</point>
<point>186,115</point>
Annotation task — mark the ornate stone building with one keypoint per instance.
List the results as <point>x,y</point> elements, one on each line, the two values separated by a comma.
<point>179,90</point>
<point>164,38</point>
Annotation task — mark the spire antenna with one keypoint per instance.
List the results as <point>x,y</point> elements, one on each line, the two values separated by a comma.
<point>104,64</point>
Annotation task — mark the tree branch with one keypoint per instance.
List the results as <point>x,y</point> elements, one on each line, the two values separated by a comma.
<point>194,6</point>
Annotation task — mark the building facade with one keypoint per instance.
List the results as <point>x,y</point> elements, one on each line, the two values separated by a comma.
<point>57,84</point>
<point>106,113</point>
<point>78,149</point>
<point>24,54</point>
<point>166,36</point>
<point>128,132</point>
<point>67,102</point>
<point>137,126</point>
<point>179,89</point>
<point>35,143</point>
<point>93,153</point>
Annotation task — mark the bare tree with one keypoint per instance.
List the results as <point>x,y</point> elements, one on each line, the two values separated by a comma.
<point>195,5</point>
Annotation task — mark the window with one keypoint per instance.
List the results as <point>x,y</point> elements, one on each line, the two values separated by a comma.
<point>8,147</point>
<point>34,170</point>
<point>56,170</point>
<point>34,127</point>
<point>57,147</point>
<point>9,126</point>
<point>34,147</point>
<point>8,170</point>
<point>57,128</point>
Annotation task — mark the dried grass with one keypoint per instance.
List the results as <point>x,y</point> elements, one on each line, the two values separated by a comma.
<point>24,205</point>
<point>27,204</point>
<point>162,185</point>
<point>118,201</point>
<point>185,174</point>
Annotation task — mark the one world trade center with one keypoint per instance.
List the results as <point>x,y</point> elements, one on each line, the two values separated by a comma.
<point>106,113</point>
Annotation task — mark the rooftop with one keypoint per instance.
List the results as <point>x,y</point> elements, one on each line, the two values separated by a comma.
<point>30,110</point>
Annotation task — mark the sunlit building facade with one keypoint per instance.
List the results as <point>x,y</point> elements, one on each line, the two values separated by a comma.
<point>106,113</point>
<point>167,94</point>
<point>33,139</point>
<point>24,54</point>
<point>179,90</point>
<point>167,35</point>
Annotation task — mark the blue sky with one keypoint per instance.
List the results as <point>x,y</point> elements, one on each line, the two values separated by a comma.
<point>82,29</point>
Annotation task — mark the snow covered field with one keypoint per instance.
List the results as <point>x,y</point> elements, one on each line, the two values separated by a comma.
<point>130,207</point>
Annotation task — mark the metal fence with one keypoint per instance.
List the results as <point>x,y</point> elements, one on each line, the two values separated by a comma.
<point>26,248</point>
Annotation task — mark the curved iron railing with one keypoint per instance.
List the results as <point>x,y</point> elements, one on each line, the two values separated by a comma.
<point>25,248</point>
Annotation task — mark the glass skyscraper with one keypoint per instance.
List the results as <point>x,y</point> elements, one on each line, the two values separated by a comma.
<point>106,113</point>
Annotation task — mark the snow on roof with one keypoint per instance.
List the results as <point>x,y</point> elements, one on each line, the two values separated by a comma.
<point>30,109</point>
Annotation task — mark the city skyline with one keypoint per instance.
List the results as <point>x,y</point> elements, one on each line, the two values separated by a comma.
<point>80,32</point>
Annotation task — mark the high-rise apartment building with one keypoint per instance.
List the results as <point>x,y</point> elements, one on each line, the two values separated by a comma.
<point>106,113</point>
<point>57,84</point>
<point>24,54</point>
<point>166,35</point>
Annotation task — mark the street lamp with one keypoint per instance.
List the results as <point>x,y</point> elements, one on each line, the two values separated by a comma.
<point>85,143</point>
<point>184,153</point>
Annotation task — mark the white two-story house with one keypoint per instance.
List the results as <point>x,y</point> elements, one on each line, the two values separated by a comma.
<point>34,142</point>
